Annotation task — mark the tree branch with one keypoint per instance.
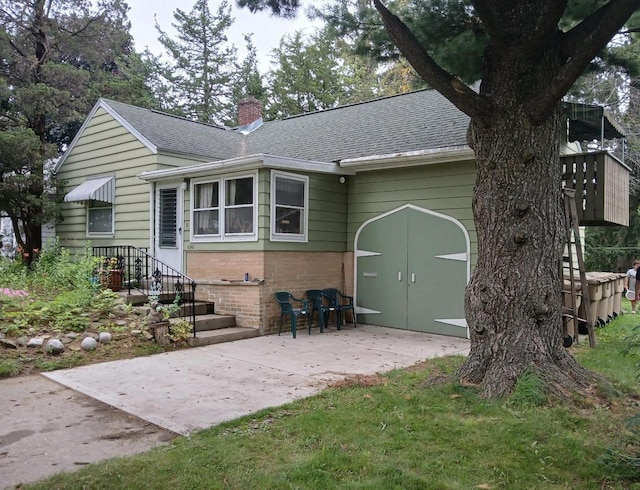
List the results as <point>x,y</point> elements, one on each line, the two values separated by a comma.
<point>448,85</point>
<point>579,46</point>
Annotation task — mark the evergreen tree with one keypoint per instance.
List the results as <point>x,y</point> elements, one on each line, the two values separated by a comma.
<point>528,59</point>
<point>202,67</point>
<point>249,80</point>
<point>57,57</point>
<point>306,76</point>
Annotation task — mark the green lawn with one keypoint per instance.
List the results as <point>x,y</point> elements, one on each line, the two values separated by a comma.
<point>408,430</point>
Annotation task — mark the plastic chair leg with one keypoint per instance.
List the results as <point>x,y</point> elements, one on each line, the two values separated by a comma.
<point>293,325</point>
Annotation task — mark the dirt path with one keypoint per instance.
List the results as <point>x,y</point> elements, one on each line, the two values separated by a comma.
<point>46,428</point>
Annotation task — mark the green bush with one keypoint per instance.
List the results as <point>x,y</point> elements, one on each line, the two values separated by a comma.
<point>62,292</point>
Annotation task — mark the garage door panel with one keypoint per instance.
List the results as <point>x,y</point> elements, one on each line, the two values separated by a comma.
<point>412,267</point>
<point>437,284</point>
<point>379,266</point>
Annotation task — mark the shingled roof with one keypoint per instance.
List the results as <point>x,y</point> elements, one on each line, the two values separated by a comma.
<point>421,120</point>
<point>414,121</point>
<point>177,134</point>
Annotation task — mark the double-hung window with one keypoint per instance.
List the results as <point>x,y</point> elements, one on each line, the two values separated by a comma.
<point>289,206</point>
<point>206,209</point>
<point>99,218</point>
<point>224,209</point>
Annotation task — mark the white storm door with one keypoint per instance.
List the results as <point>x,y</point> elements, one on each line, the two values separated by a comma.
<point>168,225</point>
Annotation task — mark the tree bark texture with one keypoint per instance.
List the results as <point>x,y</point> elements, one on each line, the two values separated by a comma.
<point>513,301</point>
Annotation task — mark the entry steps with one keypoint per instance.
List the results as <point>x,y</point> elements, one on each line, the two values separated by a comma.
<point>211,328</point>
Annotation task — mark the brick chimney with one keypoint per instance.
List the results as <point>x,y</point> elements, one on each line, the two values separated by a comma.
<point>249,110</point>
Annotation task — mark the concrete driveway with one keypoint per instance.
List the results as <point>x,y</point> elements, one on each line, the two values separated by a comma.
<point>188,390</point>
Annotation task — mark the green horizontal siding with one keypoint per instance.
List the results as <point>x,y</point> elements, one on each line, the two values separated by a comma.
<point>445,188</point>
<point>107,148</point>
<point>167,160</point>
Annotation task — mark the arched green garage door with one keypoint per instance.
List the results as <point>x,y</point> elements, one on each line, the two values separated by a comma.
<point>411,269</point>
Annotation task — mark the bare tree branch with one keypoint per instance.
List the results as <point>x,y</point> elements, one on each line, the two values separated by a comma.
<point>448,85</point>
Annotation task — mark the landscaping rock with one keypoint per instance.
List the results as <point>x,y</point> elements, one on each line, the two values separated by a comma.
<point>120,313</point>
<point>22,341</point>
<point>88,344</point>
<point>35,342</point>
<point>136,332</point>
<point>67,338</point>
<point>141,310</point>
<point>8,344</point>
<point>121,323</point>
<point>2,336</point>
<point>55,346</point>
<point>104,337</point>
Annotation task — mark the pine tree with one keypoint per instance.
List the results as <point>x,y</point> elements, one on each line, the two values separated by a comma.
<point>199,76</point>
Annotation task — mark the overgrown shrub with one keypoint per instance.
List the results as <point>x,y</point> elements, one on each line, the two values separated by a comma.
<point>62,292</point>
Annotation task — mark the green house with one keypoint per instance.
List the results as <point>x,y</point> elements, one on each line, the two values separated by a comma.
<point>371,198</point>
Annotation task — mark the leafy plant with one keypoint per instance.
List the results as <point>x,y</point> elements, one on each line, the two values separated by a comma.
<point>170,310</point>
<point>180,331</point>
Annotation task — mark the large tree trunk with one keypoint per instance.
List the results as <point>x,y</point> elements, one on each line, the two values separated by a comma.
<point>513,301</point>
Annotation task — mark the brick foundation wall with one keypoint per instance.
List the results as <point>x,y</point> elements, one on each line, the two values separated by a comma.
<point>220,279</point>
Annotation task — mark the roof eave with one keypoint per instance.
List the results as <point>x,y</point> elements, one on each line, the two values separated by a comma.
<point>408,159</point>
<point>103,104</point>
<point>245,163</point>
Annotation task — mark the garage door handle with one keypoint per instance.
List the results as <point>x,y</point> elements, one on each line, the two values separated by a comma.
<point>399,276</point>
<point>413,277</point>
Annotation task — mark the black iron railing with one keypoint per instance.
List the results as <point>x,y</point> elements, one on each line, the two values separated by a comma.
<point>132,268</point>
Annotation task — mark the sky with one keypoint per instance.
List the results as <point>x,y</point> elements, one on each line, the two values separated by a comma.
<point>267,30</point>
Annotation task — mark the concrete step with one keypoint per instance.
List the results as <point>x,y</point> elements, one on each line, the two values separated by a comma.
<point>201,308</point>
<point>138,298</point>
<point>230,334</point>
<point>211,321</point>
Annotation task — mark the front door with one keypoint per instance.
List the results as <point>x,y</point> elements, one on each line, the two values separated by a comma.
<point>412,267</point>
<point>168,225</point>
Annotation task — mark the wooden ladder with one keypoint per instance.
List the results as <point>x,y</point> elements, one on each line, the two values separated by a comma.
<point>571,312</point>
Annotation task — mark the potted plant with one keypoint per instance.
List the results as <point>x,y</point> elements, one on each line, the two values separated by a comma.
<point>114,281</point>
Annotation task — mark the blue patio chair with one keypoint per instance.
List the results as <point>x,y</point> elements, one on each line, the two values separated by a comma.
<point>317,304</point>
<point>286,301</point>
<point>338,302</point>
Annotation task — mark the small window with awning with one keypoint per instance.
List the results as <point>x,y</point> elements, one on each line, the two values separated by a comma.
<point>98,194</point>
<point>96,189</point>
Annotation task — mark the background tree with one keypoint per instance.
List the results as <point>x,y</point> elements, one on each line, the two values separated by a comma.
<point>528,63</point>
<point>249,82</point>
<point>56,57</point>
<point>202,67</point>
<point>321,71</point>
<point>306,76</point>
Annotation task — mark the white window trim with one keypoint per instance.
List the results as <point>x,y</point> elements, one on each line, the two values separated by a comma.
<point>289,237</point>
<point>222,189</point>
<point>105,234</point>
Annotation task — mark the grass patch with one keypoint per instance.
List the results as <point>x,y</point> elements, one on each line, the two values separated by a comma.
<point>8,368</point>
<point>409,429</point>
